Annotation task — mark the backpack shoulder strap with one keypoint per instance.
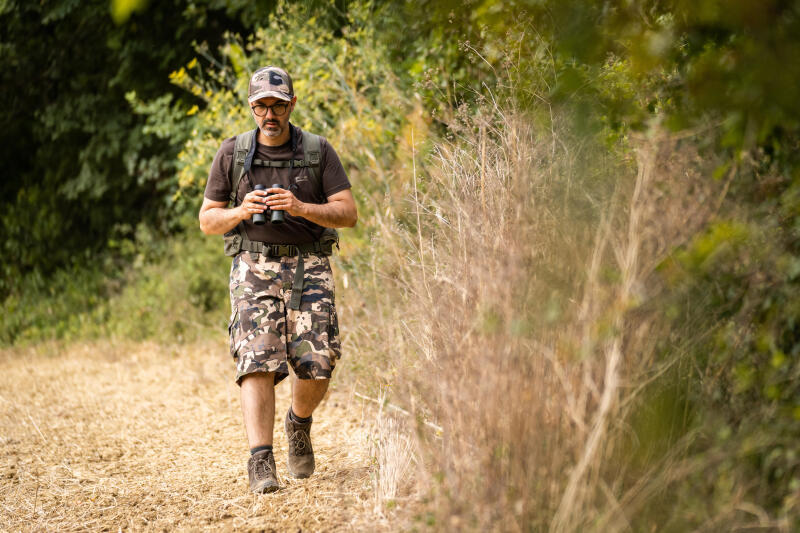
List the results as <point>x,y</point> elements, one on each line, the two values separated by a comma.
<point>312,154</point>
<point>236,239</point>
<point>242,151</point>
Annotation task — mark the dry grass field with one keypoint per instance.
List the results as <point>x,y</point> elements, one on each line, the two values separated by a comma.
<point>111,437</point>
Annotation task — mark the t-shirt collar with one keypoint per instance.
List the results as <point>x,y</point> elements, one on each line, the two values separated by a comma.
<point>294,135</point>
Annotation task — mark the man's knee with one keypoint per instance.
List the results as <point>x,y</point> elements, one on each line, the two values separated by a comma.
<point>313,383</point>
<point>257,379</point>
<point>310,390</point>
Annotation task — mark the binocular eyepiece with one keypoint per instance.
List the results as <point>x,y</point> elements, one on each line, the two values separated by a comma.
<point>277,215</point>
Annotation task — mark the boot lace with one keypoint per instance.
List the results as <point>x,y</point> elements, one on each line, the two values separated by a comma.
<point>262,469</point>
<point>300,441</point>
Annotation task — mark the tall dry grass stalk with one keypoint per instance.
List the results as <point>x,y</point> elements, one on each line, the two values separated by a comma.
<point>391,449</point>
<point>511,303</point>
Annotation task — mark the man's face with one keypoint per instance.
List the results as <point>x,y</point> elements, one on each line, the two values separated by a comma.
<point>270,122</point>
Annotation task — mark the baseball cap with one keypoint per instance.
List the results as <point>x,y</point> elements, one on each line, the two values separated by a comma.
<point>270,81</point>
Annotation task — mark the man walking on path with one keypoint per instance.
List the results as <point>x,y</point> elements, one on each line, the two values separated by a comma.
<point>281,285</point>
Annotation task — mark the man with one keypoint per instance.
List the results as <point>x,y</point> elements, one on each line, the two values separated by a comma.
<point>281,286</point>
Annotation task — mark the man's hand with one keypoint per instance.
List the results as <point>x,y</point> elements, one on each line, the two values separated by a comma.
<point>285,200</point>
<point>216,218</point>
<point>339,212</point>
<point>252,203</point>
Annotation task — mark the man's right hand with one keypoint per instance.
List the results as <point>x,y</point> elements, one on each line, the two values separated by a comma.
<point>252,203</point>
<point>217,219</point>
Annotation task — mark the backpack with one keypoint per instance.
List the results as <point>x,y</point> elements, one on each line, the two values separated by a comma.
<point>236,239</point>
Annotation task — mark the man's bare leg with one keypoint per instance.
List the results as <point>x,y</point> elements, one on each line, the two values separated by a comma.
<point>258,407</point>
<point>306,395</point>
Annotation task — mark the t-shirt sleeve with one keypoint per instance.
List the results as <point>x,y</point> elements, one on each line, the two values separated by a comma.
<point>334,178</point>
<point>218,187</point>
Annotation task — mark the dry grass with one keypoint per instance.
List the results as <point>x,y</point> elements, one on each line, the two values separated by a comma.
<point>510,301</point>
<point>145,437</point>
<point>392,448</point>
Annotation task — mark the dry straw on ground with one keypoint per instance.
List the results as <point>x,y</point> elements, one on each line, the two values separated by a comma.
<point>148,438</point>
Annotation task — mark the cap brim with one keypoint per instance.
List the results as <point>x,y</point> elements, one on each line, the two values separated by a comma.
<point>268,94</point>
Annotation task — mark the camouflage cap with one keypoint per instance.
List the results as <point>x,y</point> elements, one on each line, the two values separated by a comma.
<point>270,81</point>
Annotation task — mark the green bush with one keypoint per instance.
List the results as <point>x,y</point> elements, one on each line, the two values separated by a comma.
<point>168,290</point>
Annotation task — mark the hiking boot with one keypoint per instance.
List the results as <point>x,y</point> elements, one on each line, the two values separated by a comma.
<point>301,454</point>
<point>261,471</point>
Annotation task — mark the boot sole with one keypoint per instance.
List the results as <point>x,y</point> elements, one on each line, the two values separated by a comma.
<point>266,489</point>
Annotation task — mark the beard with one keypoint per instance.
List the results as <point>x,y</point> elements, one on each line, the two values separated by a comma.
<point>272,128</point>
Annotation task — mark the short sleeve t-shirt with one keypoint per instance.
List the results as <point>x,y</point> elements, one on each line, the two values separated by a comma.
<point>295,230</point>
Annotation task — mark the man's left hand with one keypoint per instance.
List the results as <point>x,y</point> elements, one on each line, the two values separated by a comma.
<point>284,199</point>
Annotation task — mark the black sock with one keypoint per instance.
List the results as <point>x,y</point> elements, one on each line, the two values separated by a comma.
<point>257,449</point>
<point>298,419</point>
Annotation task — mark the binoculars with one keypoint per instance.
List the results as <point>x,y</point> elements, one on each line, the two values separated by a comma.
<point>276,215</point>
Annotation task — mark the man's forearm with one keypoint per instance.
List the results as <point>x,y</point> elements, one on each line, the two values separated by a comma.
<point>219,220</point>
<point>330,215</point>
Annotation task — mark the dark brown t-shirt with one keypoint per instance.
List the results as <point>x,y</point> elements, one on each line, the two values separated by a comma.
<point>296,230</point>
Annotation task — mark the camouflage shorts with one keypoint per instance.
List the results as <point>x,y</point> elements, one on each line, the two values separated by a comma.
<point>265,333</point>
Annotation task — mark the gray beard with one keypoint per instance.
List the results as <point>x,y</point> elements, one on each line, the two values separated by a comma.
<point>271,132</point>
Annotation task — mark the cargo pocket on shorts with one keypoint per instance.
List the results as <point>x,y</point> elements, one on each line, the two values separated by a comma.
<point>333,334</point>
<point>333,322</point>
<point>233,326</point>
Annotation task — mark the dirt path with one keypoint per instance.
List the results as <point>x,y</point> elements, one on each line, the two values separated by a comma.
<point>142,437</point>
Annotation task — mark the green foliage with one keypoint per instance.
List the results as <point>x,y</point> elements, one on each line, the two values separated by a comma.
<point>174,290</point>
<point>178,295</point>
<point>83,166</point>
<point>714,249</point>
<point>738,315</point>
<point>61,306</point>
<point>121,10</point>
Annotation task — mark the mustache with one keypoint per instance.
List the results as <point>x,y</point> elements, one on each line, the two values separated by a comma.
<point>270,123</point>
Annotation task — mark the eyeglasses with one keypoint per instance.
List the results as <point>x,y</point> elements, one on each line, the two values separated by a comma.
<point>277,109</point>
